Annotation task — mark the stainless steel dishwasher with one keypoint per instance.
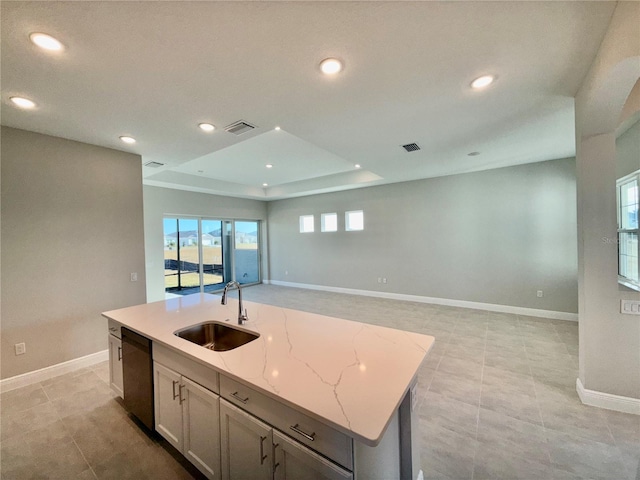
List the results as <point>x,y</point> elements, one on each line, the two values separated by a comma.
<point>137,376</point>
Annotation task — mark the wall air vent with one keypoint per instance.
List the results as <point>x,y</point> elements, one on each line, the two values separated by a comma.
<point>240,127</point>
<point>411,147</point>
<point>154,164</point>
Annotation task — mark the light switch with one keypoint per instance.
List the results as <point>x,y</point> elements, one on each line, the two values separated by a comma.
<point>630,307</point>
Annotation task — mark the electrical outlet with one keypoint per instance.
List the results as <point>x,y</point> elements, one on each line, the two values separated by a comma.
<point>539,293</point>
<point>384,280</point>
<point>21,348</point>
<point>134,277</point>
<point>379,279</point>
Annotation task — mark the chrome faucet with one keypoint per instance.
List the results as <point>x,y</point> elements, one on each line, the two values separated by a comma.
<point>242,313</point>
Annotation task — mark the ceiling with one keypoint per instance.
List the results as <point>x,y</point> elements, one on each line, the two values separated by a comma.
<point>154,70</point>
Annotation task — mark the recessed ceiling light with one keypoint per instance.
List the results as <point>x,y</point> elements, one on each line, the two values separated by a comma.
<point>357,165</point>
<point>268,165</point>
<point>277,128</point>
<point>46,41</point>
<point>330,66</point>
<point>126,139</point>
<point>473,154</point>
<point>207,127</point>
<point>22,102</point>
<point>265,184</point>
<point>483,81</point>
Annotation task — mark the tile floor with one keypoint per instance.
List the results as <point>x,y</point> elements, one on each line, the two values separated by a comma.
<point>497,401</point>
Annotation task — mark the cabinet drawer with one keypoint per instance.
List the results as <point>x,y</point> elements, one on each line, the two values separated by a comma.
<point>205,376</point>
<point>114,328</point>
<point>306,430</point>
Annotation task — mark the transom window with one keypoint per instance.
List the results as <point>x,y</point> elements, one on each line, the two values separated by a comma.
<point>329,222</point>
<point>306,223</point>
<point>354,220</point>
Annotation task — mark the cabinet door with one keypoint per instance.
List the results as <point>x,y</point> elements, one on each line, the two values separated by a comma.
<point>294,461</point>
<point>168,404</point>
<point>201,420</point>
<point>246,445</point>
<point>115,365</point>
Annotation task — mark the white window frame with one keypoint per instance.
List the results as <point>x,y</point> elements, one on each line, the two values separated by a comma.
<point>627,282</point>
<point>303,224</point>
<point>323,222</point>
<point>347,224</point>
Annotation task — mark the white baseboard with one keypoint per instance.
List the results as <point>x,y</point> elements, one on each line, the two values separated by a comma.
<point>46,373</point>
<point>532,312</point>
<point>607,400</point>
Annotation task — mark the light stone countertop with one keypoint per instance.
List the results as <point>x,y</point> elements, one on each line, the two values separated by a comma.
<point>349,375</point>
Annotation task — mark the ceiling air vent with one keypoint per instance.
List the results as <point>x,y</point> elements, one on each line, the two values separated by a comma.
<point>154,164</point>
<point>411,147</point>
<point>238,128</point>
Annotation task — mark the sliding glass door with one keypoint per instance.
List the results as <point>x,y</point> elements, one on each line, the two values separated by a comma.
<point>203,254</point>
<point>246,258</point>
<point>181,255</point>
<point>213,277</point>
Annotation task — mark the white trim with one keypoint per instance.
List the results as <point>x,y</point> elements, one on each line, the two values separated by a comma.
<point>46,373</point>
<point>607,400</point>
<point>532,312</point>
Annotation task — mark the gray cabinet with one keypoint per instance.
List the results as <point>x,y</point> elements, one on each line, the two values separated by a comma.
<point>187,416</point>
<point>252,449</point>
<point>244,434</point>
<point>168,405</point>
<point>115,365</point>
<point>296,462</point>
<point>246,445</point>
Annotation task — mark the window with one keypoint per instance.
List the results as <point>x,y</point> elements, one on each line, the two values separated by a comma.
<point>354,220</point>
<point>628,259</point>
<point>306,223</point>
<point>202,255</point>
<point>329,222</point>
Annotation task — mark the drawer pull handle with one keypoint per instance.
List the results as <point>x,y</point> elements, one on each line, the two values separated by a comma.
<point>263,457</point>
<point>180,393</point>
<point>175,395</point>
<point>239,398</point>
<point>119,353</point>
<point>275,464</point>
<point>309,436</point>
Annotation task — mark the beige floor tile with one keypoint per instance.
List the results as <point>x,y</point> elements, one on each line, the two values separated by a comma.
<point>461,367</point>
<point>457,388</point>
<point>470,428</point>
<point>587,458</point>
<point>447,452</point>
<point>492,464</point>
<point>22,399</point>
<point>516,437</point>
<point>22,422</point>
<point>448,413</point>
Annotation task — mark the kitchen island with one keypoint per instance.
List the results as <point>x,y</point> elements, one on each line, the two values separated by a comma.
<point>320,394</point>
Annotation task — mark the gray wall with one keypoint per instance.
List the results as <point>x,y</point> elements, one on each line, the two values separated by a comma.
<point>493,237</point>
<point>609,341</point>
<point>628,151</point>
<point>71,235</point>
<point>159,202</point>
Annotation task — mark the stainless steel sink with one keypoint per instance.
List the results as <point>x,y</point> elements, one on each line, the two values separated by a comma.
<point>216,336</point>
